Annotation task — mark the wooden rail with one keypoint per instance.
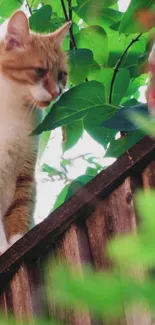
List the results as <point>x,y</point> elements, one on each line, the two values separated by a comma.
<point>78,230</point>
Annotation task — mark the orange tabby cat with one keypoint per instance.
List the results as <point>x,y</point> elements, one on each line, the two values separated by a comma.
<point>33,73</point>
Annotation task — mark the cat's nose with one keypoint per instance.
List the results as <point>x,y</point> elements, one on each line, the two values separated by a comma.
<point>55,94</point>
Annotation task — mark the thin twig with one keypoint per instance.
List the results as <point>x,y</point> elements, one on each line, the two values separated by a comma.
<point>72,40</point>
<point>64,10</point>
<point>70,9</point>
<point>68,17</point>
<point>119,64</point>
<point>29,7</point>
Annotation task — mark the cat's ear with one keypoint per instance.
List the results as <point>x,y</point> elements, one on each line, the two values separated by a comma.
<point>59,35</point>
<point>17,31</point>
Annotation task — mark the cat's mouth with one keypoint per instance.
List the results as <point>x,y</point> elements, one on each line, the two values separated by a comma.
<point>37,103</point>
<point>42,104</point>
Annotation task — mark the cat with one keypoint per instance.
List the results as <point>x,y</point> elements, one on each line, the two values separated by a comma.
<point>33,73</point>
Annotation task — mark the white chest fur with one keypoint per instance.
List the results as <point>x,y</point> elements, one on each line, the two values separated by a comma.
<point>16,123</point>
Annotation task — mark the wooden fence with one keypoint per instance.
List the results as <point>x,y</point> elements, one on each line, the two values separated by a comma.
<point>78,230</point>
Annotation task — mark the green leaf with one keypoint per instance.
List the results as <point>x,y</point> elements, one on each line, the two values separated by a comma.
<point>97,4</point>
<point>92,38</point>
<point>129,17</point>
<point>145,123</point>
<point>41,21</point>
<point>73,105</point>
<point>92,160</point>
<point>57,6</point>
<point>102,135</point>
<point>145,204</point>
<point>105,294</point>
<point>134,250</point>
<point>119,146</point>
<point>95,13</point>
<point>34,3</point>
<point>71,189</point>
<point>44,138</point>
<point>61,197</point>
<point>11,320</point>
<point>117,45</point>
<point>92,123</point>
<point>51,170</point>
<point>77,184</point>
<point>97,115</point>
<point>80,62</point>
<point>73,132</point>
<point>135,84</point>
<point>103,75</point>
<point>91,171</point>
<point>120,121</point>
<point>7,7</point>
<point>120,85</point>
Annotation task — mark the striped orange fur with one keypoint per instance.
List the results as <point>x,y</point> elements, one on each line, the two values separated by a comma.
<point>33,73</point>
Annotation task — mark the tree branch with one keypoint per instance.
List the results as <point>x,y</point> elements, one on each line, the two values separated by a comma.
<point>119,64</point>
<point>64,10</point>
<point>29,7</point>
<point>72,40</point>
<point>68,17</point>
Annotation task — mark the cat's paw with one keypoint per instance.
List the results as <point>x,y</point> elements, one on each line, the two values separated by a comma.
<point>14,238</point>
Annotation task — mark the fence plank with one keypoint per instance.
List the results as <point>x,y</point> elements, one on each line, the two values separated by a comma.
<point>80,243</point>
<point>99,231</point>
<point>82,203</point>
<point>74,248</point>
<point>115,215</point>
<point>35,271</point>
<point>149,175</point>
<point>21,296</point>
<point>6,302</point>
<point>125,221</point>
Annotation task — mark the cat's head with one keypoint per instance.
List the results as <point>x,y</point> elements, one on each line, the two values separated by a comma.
<point>34,60</point>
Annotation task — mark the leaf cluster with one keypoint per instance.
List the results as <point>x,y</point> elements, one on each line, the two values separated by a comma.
<point>107,51</point>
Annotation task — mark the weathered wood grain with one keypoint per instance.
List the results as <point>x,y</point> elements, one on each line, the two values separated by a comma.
<point>83,203</point>
<point>79,230</point>
<point>21,296</point>
<point>148,176</point>
<point>115,215</point>
<point>35,270</point>
<point>6,306</point>
<point>74,248</point>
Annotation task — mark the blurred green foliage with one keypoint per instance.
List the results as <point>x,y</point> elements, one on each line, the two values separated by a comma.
<point>107,51</point>
<point>107,293</point>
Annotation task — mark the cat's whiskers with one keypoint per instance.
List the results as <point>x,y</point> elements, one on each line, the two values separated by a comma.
<point>31,66</point>
<point>30,110</point>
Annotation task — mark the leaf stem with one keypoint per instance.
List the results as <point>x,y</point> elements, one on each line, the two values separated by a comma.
<point>68,17</point>
<point>72,40</point>
<point>29,7</point>
<point>119,64</point>
<point>64,10</point>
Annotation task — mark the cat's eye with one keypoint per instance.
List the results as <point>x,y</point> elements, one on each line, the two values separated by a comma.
<point>62,75</point>
<point>40,72</point>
